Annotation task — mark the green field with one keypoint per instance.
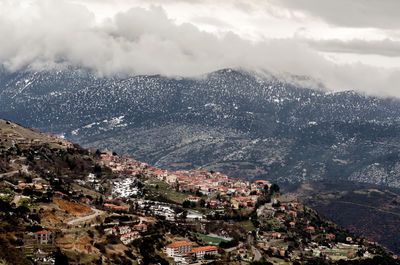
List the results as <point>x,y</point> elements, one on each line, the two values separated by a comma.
<point>26,202</point>
<point>162,188</point>
<point>211,239</point>
<point>6,195</point>
<point>247,225</point>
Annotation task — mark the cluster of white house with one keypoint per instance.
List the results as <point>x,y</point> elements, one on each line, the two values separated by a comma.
<point>157,208</point>
<point>127,233</point>
<point>163,210</point>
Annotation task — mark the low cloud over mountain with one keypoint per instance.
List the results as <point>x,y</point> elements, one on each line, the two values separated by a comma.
<point>150,40</point>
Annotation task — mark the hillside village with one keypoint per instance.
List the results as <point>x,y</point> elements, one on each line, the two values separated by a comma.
<point>233,191</point>
<point>62,204</point>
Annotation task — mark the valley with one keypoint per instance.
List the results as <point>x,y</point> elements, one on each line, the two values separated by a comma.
<point>365,209</point>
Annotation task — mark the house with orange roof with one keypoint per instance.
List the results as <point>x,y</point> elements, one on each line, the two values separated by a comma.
<point>262,182</point>
<point>293,213</point>
<point>121,208</point>
<point>129,237</point>
<point>214,203</point>
<point>116,207</point>
<point>140,227</point>
<point>124,230</point>
<point>246,201</point>
<point>109,205</point>
<point>159,174</point>
<point>60,193</point>
<point>311,229</point>
<point>330,236</point>
<point>39,237</point>
<point>68,144</point>
<point>193,199</point>
<point>276,235</point>
<point>21,186</point>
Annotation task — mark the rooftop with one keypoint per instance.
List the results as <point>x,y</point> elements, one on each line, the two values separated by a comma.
<point>179,244</point>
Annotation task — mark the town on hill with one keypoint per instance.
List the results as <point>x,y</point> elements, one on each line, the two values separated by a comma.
<point>62,204</point>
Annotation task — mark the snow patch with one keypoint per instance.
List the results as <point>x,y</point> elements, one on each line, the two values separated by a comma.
<point>75,132</point>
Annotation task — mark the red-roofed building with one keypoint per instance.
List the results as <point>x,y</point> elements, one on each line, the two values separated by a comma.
<point>330,236</point>
<point>124,230</point>
<point>39,238</point>
<point>139,213</point>
<point>141,227</point>
<point>109,205</point>
<point>129,237</point>
<point>60,193</point>
<point>311,229</point>
<point>276,235</point>
<point>280,217</point>
<point>21,186</point>
<point>178,247</point>
<point>122,208</point>
<point>214,203</point>
<point>116,207</point>
<point>193,199</point>
<point>293,213</point>
<point>199,252</point>
<point>262,182</point>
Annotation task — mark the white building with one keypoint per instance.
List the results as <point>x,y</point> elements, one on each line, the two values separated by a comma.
<point>129,237</point>
<point>178,247</point>
<point>124,230</point>
<point>194,215</point>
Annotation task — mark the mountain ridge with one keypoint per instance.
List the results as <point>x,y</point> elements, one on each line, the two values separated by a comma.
<point>229,121</point>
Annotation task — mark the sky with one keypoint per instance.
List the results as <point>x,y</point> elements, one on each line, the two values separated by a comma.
<point>345,45</point>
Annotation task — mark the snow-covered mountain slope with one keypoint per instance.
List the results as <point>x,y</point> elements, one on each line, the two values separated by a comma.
<point>231,121</point>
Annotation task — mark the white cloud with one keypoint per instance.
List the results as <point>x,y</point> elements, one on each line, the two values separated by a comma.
<point>385,47</point>
<point>355,13</point>
<point>151,40</point>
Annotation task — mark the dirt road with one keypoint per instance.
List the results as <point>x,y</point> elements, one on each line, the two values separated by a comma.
<point>256,253</point>
<point>85,218</point>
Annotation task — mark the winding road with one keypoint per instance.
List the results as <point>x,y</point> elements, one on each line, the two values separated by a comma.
<point>87,217</point>
<point>256,253</point>
<point>24,169</point>
<point>8,173</point>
